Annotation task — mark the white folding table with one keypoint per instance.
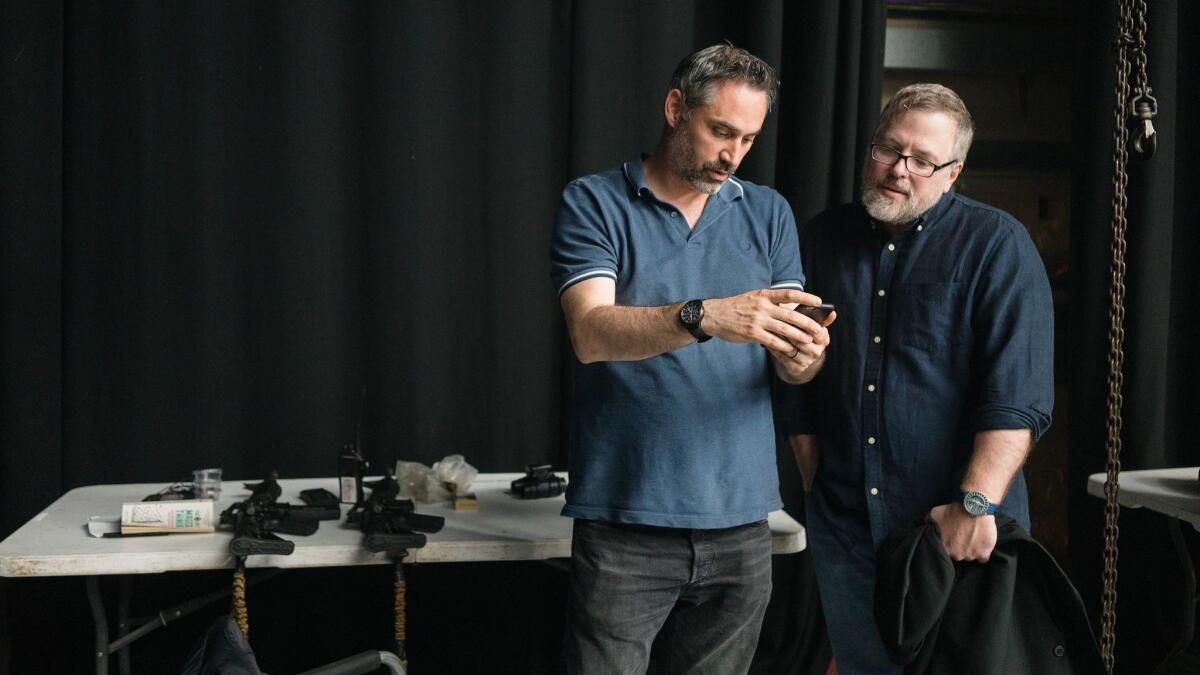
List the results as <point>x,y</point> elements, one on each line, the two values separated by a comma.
<point>55,542</point>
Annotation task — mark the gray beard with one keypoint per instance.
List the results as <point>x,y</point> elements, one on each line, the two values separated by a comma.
<point>696,178</point>
<point>889,212</point>
<point>682,158</point>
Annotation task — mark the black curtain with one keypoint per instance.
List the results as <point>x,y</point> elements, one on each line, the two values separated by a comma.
<point>1161,327</point>
<point>234,232</point>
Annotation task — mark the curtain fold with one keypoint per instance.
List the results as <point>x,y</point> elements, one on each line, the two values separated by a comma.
<point>31,223</point>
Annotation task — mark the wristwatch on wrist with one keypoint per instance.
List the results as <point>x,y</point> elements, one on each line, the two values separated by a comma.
<point>977,504</point>
<point>690,316</point>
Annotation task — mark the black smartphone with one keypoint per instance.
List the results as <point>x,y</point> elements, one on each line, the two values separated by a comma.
<point>818,313</point>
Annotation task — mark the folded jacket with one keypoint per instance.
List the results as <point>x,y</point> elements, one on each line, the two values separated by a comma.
<point>1017,613</point>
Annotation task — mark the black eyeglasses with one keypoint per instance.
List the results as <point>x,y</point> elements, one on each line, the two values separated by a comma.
<point>885,154</point>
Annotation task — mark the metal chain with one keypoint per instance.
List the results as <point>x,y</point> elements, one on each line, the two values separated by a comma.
<point>1139,52</point>
<point>1131,36</point>
<point>1143,107</point>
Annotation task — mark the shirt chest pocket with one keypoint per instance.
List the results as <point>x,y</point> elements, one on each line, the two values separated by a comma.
<point>930,315</point>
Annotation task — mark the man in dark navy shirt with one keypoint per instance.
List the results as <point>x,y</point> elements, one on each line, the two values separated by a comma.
<point>939,375</point>
<point>672,443</point>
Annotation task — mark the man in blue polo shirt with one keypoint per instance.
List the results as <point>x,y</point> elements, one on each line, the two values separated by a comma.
<point>672,450</point>
<point>939,377</point>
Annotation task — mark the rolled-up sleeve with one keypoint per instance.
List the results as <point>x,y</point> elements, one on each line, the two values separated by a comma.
<point>1013,325</point>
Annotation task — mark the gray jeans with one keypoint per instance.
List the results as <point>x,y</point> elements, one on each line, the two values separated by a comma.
<point>702,593</point>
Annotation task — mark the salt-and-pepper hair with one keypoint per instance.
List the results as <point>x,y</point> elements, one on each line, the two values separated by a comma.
<point>925,97</point>
<point>699,75</point>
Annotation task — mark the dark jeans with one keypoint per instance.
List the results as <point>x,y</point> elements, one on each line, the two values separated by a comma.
<point>704,590</point>
<point>843,557</point>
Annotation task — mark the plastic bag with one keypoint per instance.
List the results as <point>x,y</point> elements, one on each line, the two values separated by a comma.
<point>454,472</point>
<point>438,483</point>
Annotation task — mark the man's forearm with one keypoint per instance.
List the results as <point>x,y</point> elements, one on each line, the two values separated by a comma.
<point>618,333</point>
<point>808,457</point>
<point>602,330</point>
<point>998,455</point>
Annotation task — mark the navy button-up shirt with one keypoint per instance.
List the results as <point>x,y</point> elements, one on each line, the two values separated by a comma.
<point>943,330</point>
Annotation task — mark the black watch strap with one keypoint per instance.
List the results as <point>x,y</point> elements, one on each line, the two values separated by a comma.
<point>690,315</point>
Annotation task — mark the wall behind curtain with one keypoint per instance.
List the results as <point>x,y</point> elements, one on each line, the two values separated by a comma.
<point>222,222</point>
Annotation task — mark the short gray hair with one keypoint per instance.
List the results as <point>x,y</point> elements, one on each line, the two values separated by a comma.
<point>926,97</point>
<point>698,75</point>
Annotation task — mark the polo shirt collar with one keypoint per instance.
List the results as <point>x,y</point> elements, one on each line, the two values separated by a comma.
<point>731,190</point>
<point>636,176</point>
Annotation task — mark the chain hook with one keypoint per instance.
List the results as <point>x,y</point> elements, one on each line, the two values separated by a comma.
<point>1142,109</point>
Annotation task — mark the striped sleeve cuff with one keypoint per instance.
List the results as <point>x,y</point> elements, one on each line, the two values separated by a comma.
<point>788,283</point>
<point>586,274</point>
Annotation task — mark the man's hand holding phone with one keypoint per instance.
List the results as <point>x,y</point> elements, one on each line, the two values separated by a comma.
<point>808,342</point>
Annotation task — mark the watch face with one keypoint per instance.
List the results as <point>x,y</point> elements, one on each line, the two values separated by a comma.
<point>975,503</point>
<point>690,314</point>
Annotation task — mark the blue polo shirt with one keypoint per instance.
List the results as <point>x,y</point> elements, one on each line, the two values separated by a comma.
<point>682,439</point>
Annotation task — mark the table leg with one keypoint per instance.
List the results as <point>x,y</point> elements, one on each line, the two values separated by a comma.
<point>1179,659</point>
<point>123,658</point>
<point>401,610</point>
<point>101,622</point>
<point>128,635</point>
